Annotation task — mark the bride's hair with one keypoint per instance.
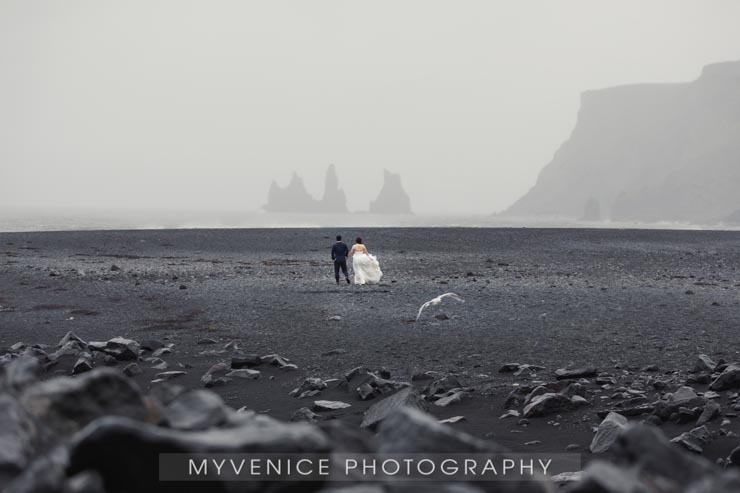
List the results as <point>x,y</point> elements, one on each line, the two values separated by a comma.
<point>358,240</point>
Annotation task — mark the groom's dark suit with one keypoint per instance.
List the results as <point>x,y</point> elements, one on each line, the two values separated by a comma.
<point>339,254</point>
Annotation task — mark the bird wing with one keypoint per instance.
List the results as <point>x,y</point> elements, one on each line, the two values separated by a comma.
<point>423,307</point>
<point>453,296</point>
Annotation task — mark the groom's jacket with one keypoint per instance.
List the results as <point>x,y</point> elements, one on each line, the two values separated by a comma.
<point>339,251</point>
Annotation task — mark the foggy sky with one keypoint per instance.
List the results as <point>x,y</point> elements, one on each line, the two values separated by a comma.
<point>199,105</point>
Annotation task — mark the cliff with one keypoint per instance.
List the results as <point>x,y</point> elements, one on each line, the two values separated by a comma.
<point>392,198</point>
<point>658,152</point>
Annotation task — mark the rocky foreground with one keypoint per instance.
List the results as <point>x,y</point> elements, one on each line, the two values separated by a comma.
<point>74,420</point>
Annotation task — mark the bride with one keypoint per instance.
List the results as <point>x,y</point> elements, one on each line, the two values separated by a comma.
<point>366,266</point>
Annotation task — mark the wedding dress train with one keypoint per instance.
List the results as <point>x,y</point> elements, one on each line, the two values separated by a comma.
<point>366,268</point>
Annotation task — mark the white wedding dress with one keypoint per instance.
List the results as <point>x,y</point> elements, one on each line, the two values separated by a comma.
<point>366,268</point>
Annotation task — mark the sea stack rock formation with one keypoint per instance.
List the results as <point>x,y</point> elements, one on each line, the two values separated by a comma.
<point>392,199</point>
<point>334,199</point>
<point>294,198</point>
<point>648,153</point>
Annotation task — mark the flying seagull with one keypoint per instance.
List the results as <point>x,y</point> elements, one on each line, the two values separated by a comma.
<point>437,301</point>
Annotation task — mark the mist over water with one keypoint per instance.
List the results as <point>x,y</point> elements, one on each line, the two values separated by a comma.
<point>165,104</point>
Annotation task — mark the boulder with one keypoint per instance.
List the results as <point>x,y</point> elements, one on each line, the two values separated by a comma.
<point>382,409</point>
<point>99,447</point>
<point>728,379</point>
<point>122,349</point>
<point>66,404</point>
<point>704,364</point>
<point>409,430</point>
<point>671,403</point>
<point>19,437</point>
<point>21,372</point>
<point>552,403</point>
<point>196,410</point>
<point>607,433</point>
<point>46,474</point>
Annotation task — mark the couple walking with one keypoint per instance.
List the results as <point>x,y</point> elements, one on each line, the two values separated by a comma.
<point>365,266</point>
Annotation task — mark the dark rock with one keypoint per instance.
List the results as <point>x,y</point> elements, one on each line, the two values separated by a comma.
<point>66,404</point>
<point>84,364</point>
<point>382,409</point>
<point>648,449</point>
<point>572,373</point>
<point>151,345</point>
<point>551,403</point>
<point>84,482</point>
<point>132,370</point>
<point>166,392</point>
<point>334,352</point>
<point>306,415</point>
<point>119,347</point>
<point>704,364</point>
<point>215,375</point>
<point>408,430</point>
<point>607,433</point>
<point>168,375</point>
<point>71,337</point>
<point>728,379</point>
<point>734,457</point>
<point>21,372</point>
<point>695,439</point>
<point>242,360</point>
<point>196,410</point>
<point>244,374</point>
<point>451,397</point>
<point>509,368</point>
<point>18,438</point>
<point>671,403</point>
<point>441,386</point>
<point>309,385</point>
<point>46,474</point>
<point>277,360</point>
<point>98,447</point>
<point>710,412</point>
<point>329,405</point>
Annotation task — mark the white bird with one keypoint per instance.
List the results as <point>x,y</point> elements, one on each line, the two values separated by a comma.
<point>437,301</point>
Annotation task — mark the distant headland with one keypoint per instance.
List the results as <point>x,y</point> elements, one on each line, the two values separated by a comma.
<point>294,198</point>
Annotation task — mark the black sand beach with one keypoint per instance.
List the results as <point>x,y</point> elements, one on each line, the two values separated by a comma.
<point>637,304</point>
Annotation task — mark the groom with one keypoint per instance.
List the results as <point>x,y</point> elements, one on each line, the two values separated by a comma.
<point>339,254</point>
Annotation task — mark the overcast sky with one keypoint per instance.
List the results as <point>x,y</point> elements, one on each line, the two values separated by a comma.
<point>200,104</point>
